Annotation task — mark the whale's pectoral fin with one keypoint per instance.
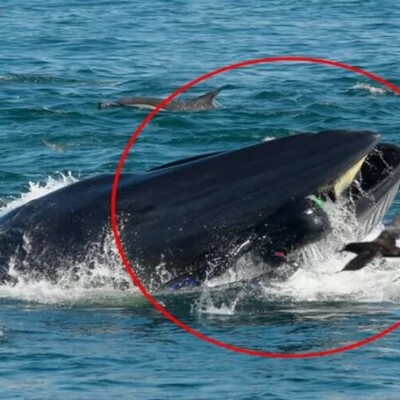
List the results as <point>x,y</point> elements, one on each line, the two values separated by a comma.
<point>212,265</point>
<point>208,270</point>
<point>188,280</point>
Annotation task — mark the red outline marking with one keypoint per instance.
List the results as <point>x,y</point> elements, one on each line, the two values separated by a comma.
<point>118,242</point>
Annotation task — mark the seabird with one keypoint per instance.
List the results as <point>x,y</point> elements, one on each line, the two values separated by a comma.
<point>383,246</point>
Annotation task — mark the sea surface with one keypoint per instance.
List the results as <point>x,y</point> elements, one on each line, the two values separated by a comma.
<point>58,59</point>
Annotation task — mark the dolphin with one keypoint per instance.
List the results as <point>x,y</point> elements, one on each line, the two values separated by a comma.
<point>383,246</point>
<point>204,102</point>
<point>189,220</point>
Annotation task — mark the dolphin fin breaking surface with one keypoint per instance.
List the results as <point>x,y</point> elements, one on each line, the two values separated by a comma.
<point>203,102</point>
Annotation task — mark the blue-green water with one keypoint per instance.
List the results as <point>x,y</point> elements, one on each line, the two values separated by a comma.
<point>58,59</point>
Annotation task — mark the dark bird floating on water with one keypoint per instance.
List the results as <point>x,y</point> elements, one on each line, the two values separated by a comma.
<point>200,103</point>
<point>383,246</point>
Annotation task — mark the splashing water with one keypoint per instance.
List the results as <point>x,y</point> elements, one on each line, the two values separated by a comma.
<point>321,278</point>
<point>97,280</point>
<point>318,280</point>
<point>37,190</point>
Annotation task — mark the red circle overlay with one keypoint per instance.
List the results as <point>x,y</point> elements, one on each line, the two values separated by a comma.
<point>129,269</point>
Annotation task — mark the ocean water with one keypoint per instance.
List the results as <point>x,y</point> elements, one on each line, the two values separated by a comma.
<point>57,60</point>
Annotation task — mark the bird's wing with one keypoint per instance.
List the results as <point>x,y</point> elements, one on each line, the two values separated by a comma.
<point>360,261</point>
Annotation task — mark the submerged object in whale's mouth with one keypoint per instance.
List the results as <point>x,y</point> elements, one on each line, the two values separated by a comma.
<point>192,218</point>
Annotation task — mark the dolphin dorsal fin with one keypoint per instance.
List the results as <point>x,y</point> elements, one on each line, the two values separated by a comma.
<point>208,97</point>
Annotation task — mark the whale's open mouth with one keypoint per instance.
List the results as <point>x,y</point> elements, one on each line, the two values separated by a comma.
<point>366,187</point>
<point>370,185</point>
<point>370,176</point>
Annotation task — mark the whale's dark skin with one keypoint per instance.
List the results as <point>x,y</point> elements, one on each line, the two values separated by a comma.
<point>181,213</point>
<point>200,103</point>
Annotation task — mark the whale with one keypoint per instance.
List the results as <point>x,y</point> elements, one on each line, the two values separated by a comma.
<point>204,102</point>
<point>190,220</point>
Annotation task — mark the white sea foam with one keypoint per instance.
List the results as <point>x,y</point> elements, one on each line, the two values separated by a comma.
<point>99,279</point>
<point>268,139</point>
<point>36,190</point>
<point>209,304</point>
<point>370,88</point>
<point>97,284</point>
